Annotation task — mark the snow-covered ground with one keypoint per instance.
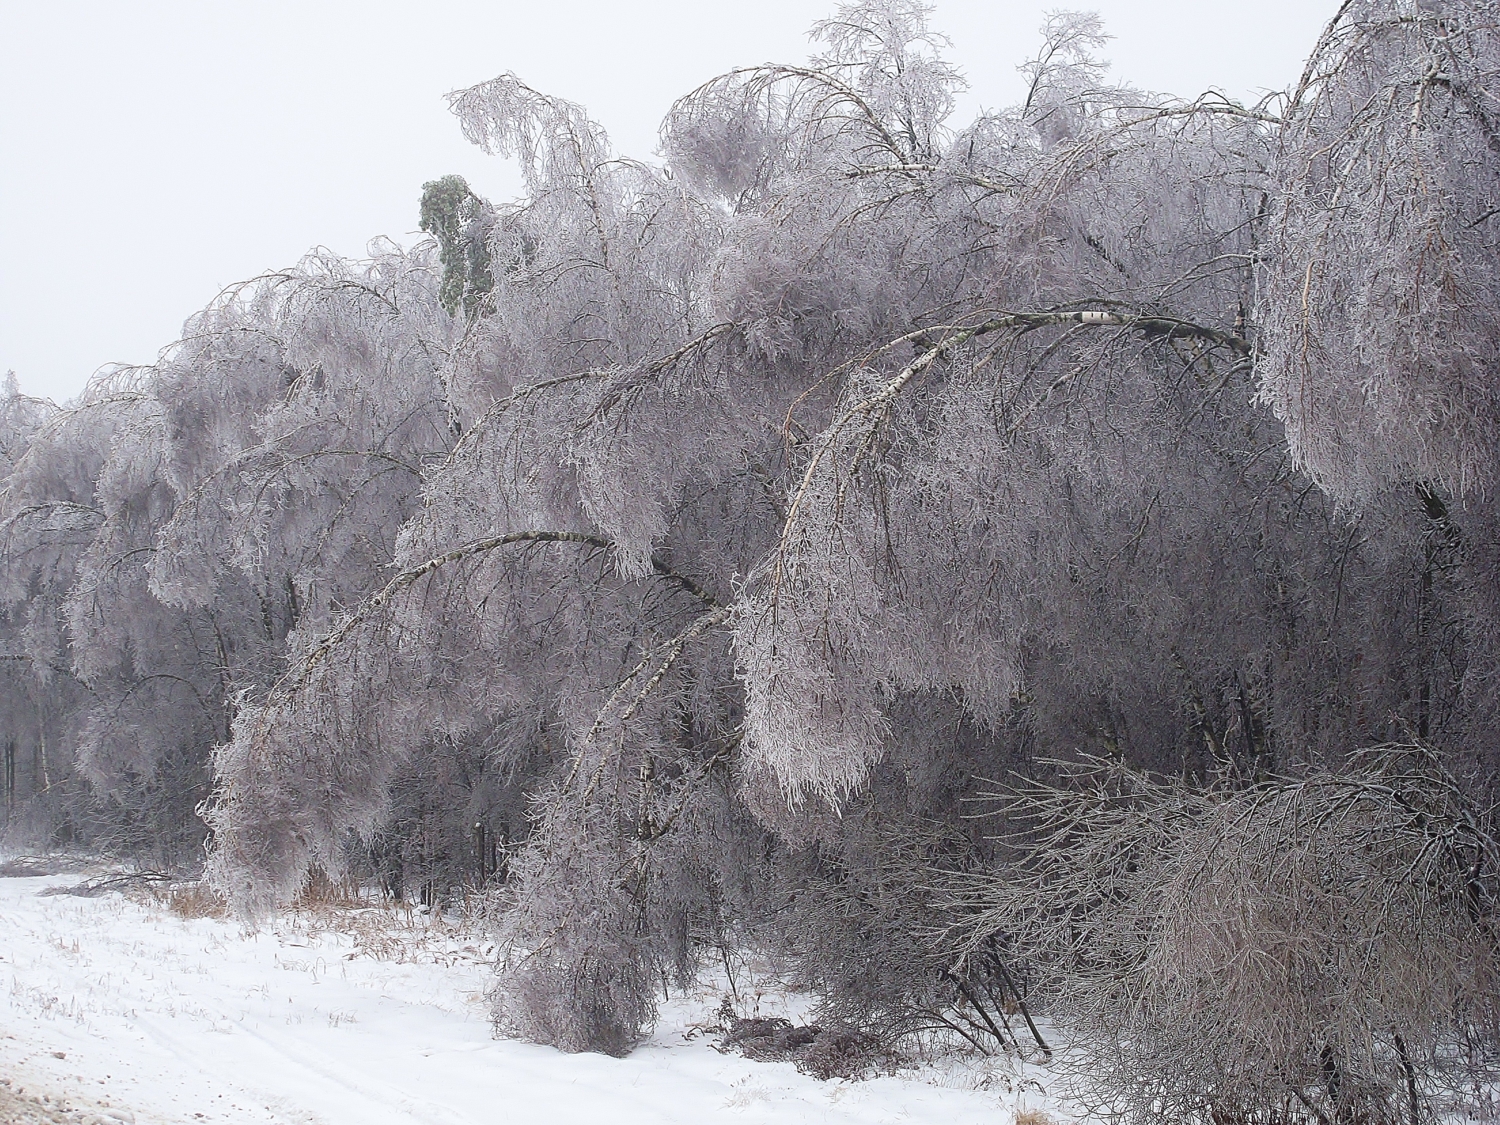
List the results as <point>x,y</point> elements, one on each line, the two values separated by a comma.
<point>130,1013</point>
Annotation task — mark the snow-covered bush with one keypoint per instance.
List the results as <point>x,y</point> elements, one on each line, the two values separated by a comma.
<point>1319,947</point>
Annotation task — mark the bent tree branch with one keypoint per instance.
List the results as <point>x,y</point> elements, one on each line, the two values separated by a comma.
<point>952,336</point>
<point>408,578</point>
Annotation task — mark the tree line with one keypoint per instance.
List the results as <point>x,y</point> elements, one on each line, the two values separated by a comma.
<point>1037,580</point>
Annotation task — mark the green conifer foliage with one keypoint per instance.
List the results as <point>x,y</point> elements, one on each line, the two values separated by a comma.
<point>455,216</point>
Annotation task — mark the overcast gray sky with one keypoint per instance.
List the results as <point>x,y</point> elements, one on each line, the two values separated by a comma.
<point>155,151</point>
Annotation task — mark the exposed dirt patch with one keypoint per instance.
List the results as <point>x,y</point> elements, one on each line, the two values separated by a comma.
<point>821,1052</point>
<point>18,1108</point>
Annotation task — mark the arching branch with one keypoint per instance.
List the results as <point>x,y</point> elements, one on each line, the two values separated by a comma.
<point>940,340</point>
<point>410,577</point>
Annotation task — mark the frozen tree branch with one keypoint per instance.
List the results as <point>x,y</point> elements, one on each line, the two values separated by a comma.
<point>372,605</point>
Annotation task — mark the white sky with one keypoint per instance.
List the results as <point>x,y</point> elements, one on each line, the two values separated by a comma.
<point>155,151</point>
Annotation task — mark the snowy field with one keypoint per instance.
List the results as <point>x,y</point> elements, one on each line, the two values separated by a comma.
<point>117,1009</point>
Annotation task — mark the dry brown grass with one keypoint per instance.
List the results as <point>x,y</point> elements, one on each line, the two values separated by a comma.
<point>194,900</point>
<point>320,898</point>
<point>322,895</point>
<point>1034,1117</point>
<point>374,927</point>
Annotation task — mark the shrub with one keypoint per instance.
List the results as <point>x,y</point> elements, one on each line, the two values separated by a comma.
<point>1318,948</point>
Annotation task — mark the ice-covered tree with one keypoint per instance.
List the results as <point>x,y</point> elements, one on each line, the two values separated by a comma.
<point>708,530</point>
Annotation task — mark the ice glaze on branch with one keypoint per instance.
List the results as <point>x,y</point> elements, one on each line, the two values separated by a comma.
<point>1151,325</point>
<point>408,578</point>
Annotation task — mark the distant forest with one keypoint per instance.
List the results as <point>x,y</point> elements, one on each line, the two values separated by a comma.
<point>1036,580</point>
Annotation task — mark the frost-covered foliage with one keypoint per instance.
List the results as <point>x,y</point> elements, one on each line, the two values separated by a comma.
<point>1322,945</point>
<point>176,524</point>
<point>677,549</point>
<point>1380,312</point>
